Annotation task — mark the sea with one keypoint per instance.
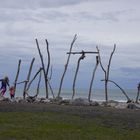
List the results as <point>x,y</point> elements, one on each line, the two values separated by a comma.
<point>97,94</point>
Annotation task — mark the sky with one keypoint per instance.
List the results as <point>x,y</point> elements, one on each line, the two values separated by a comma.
<point>101,23</point>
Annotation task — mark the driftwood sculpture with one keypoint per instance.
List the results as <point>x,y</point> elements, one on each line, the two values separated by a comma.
<point>106,71</point>
<point>28,78</point>
<point>45,71</point>
<point>66,65</point>
<point>78,64</point>
<point>92,79</point>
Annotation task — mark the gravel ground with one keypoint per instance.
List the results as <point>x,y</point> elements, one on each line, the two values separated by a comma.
<point>124,118</point>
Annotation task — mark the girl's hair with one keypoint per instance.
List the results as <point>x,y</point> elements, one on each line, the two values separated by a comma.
<point>6,79</point>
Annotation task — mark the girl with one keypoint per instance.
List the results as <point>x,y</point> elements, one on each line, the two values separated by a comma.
<point>4,84</point>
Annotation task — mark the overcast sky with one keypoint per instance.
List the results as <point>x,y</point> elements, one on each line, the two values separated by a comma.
<point>96,22</point>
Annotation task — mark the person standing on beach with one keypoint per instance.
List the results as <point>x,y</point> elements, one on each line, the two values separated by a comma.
<point>12,92</point>
<point>4,84</point>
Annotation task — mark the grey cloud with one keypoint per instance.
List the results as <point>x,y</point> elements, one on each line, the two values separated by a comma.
<point>37,3</point>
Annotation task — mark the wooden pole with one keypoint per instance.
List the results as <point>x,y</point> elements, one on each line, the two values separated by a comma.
<point>18,70</point>
<point>66,65</point>
<point>107,71</point>
<point>28,78</point>
<point>43,66</point>
<point>74,81</point>
<point>138,92</point>
<point>93,75</point>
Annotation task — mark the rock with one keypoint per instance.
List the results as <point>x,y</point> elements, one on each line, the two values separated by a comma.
<point>44,100</point>
<point>30,99</point>
<point>80,102</point>
<point>121,105</point>
<point>18,99</point>
<point>65,102</point>
<point>94,103</point>
<point>57,100</point>
<point>133,106</point>
<point>6,100</point>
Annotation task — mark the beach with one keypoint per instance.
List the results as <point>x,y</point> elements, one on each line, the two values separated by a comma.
<point>128,115</point>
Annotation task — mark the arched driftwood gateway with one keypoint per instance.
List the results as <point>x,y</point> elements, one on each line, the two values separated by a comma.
<point>78,64</point>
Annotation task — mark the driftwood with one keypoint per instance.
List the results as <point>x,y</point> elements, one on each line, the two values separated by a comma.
<point>45,72</point>
<point>17,74</point>
<point>33,79</point>
<point>93,75</point>
<point>106,71</point>
<point>128,99</point>
<point>82,52</point>
<point>38,85</point>
<point>138,92</point>
<point>51,89</point>
<point>66,65</point>
<point>28,78</point>
<point>78,64</point>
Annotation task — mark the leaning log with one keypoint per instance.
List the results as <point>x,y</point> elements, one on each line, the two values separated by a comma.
<point>43,66</point>
<point>66,65</point>
<point>28,78</point>
<point>74,81</point>
<point>17,74</point>
<point>128,99</point>
<point>92,79</point>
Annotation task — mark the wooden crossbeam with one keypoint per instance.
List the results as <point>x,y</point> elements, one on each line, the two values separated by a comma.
<point>82,52</point>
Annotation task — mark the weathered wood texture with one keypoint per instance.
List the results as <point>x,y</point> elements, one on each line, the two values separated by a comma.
<point>66,65</point>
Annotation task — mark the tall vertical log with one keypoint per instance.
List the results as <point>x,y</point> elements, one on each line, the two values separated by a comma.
<point>38,86</point>
<point>17,74</point>
<point>138,92</point>
<point>28,78</point>
<point>93,75</point>
<point>107,71</point>
<point>78,64</point>
<point>66,65</point>
<point>43,66</point>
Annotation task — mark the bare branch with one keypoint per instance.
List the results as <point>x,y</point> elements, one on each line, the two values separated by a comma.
<point>119,88</point>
